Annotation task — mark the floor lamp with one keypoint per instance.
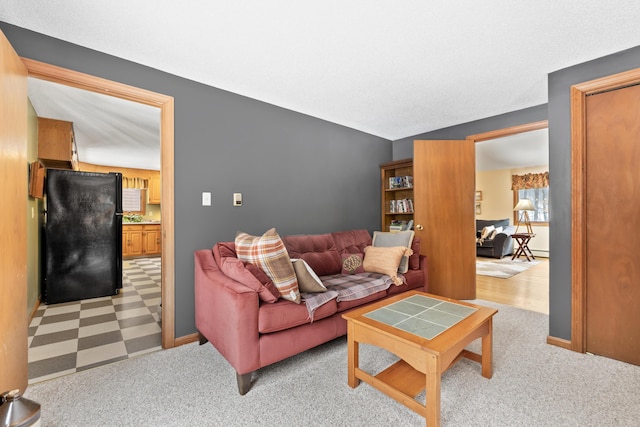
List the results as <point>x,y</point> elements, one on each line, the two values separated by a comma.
<point>524,205</point>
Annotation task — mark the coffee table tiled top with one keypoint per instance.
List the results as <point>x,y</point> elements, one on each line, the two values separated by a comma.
<point>421,315</point>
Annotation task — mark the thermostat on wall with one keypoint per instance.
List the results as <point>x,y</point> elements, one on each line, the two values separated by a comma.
<point>237,199</point>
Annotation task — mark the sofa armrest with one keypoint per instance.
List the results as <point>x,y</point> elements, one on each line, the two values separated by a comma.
<point>425,271</point>
<point>226,314</point>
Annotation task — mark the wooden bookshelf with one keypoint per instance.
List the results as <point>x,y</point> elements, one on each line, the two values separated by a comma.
<point>398,196</point>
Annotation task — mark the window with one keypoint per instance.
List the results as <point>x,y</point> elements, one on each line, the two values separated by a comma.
<point>540,199</point>
<point>133,200</point>
<point>535,188</point>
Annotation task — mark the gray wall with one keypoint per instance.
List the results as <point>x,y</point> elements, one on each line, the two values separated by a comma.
<point>297,173</point>
<point>560,175</point>
<point>558,112</point>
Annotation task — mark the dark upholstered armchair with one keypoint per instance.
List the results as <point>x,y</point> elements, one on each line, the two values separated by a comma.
<point>500,245</point>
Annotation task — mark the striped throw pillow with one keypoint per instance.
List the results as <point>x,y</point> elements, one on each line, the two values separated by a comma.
<point>269,253</point>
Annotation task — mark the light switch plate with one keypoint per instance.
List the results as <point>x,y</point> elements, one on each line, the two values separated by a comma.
<point>237,199</point>
<point>206,198</point>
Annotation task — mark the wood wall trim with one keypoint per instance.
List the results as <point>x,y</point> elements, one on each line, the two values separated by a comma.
<point>79,80</point>
<point>579,92</point>
<point>187,339</point>
<point>52,73</point>
<point>578,220</point>
<point>512,130</point>
<point>559,342</point>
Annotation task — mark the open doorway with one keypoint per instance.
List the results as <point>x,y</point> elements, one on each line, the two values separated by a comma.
<point>520,150</point>
<point>164,104</point>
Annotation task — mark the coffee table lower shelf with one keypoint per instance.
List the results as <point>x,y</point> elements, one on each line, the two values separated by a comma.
<point>403,383</point>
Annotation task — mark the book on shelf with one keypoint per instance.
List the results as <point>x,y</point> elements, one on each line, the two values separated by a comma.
<point>398,225</point>
<point>400,182</point>
<point>401,206</point>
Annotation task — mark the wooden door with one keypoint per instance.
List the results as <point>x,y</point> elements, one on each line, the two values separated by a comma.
<point>613,224</point>
<point>13,219</point>
<point>444,190</point>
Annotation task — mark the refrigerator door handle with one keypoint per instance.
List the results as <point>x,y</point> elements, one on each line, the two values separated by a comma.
<point>119,214</point>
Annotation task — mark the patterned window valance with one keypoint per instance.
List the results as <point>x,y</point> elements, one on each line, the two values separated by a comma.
<point>134,182</point>
<point>530,180</point>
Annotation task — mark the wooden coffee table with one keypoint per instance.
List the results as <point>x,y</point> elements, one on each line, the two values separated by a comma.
<point>429,334</point>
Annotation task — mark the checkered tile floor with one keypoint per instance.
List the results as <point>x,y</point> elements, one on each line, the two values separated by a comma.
<point>74,336</point>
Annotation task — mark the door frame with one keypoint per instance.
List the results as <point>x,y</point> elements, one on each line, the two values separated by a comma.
<point>165,103</point>
<point>512,130</point>
<point>579,93</point>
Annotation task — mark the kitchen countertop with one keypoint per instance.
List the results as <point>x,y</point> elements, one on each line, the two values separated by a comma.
<point>141,223</point>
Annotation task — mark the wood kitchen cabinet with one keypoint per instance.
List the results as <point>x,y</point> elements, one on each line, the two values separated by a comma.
<point>141,240</point>
<point>56,144</point>
<point>131,240</point>
<point>154,189</point>
<point>151,239</point>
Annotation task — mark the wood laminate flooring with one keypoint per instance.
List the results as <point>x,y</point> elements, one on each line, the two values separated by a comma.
<point>528,290</point>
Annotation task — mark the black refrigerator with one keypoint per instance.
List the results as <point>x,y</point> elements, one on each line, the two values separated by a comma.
<point>83,235</point>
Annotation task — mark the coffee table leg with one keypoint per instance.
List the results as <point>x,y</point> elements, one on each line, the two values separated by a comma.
<point>352,363</point>
<point>433,392</point>
<point>487,351</point>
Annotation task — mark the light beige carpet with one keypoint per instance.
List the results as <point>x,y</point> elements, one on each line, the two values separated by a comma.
<point>503,268</point>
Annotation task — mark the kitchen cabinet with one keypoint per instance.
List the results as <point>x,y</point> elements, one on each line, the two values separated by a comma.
<point>154,189</point>
<point>56,144</point>
<point>151,239</point>
<point>131,240</point>
<point>141,240</point>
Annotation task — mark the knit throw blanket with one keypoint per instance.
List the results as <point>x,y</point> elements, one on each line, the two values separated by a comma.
<point>346,287</point>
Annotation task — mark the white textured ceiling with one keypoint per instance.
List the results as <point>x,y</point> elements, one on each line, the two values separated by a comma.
<point>392,69</point>
<point>108,130</point>
<point>514,151</point>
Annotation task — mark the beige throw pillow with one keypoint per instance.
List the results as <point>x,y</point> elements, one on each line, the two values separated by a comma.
<point>385,260</point>
<point>308,280</point>
<point>402,238</point>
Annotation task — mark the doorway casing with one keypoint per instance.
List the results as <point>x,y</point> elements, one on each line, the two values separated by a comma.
<point>165,103</point>
<point>579,94</point>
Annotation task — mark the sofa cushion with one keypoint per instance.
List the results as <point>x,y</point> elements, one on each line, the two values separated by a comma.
<point>284,315</point>
<point>385,260</point>
<point>402,238</point>
<point>236,270</point>
<point>226,249</point>
<point>318,250</point>
<point>414,258</point>
<point>352,263</point>
<point>268,253</point>
<point>481,223</point>
<point>352,241</point>
<point>349,304</point>
<point>223,250</point>
<point>308,280</point>
<point>262,277</point>
<point>486,231</point>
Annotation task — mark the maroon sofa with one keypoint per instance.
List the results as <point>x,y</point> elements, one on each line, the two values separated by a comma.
<point>251,333</point>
